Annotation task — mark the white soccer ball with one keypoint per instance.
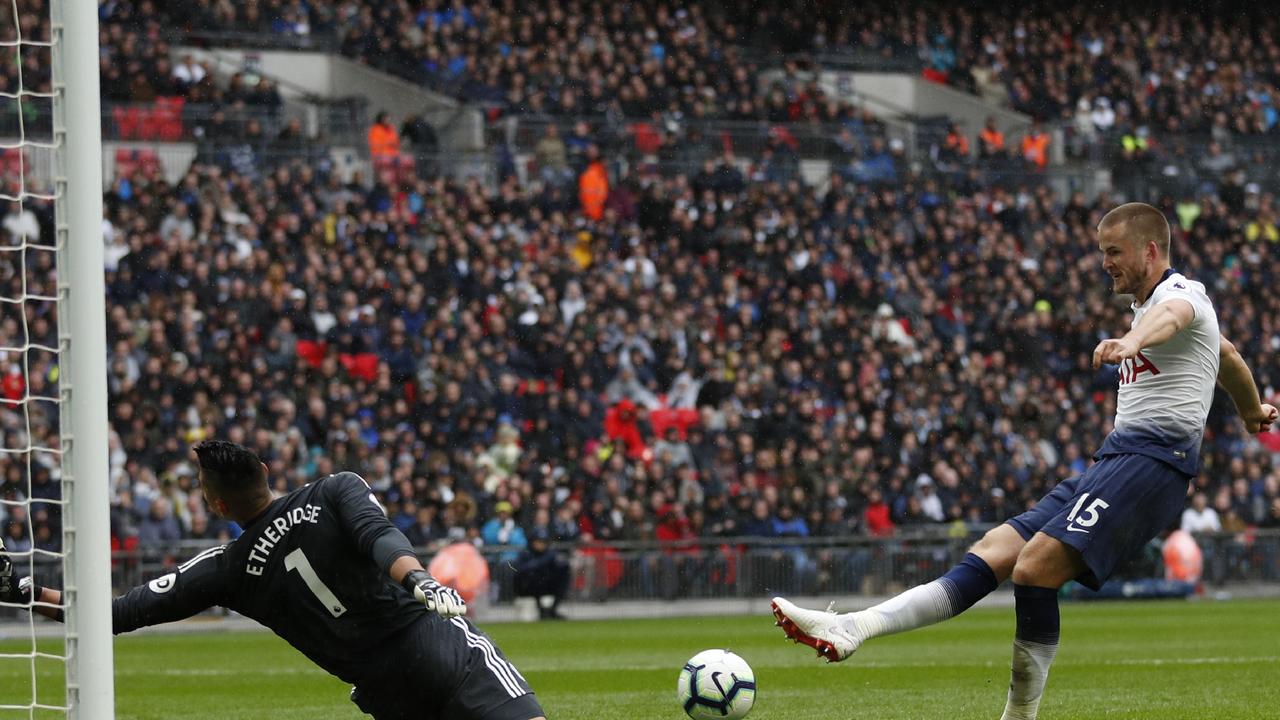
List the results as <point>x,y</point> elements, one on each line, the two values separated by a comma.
<point>716,684</point>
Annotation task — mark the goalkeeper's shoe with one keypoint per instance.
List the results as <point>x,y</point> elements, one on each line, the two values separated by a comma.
<point>821,630</point>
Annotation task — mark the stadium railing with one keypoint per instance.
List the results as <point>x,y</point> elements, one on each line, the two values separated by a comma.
<point>342,120</point>
<point>638,136</point>
<point>314,42</point>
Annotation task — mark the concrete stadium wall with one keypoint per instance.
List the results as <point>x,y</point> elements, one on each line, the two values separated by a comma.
<point>320,74</point>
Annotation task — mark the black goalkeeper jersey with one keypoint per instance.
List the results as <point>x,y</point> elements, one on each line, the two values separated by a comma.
<point>304,569</point>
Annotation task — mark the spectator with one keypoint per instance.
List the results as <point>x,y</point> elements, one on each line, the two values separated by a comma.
<point>552,157</point>
<point>159,529</point>
<point>501,529</point>
<point>990,140</point>
<point>420,135</point>
<point>1035,146</point>
<point>384,140</point>
<point>1200,518</point>
<point>931,505</point>
<point>21,224</point>
<point>593,187</point>
<point>542,574</point>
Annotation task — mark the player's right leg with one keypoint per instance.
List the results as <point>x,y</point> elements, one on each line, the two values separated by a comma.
<point>836,636</point>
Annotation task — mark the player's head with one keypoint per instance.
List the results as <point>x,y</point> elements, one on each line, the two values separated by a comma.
<point>232,478</point>
<point>1134,239</point>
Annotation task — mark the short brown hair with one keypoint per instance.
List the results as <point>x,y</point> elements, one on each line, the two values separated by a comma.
<point>1140,222</point>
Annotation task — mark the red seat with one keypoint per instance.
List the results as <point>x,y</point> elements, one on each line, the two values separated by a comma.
<point>128,122</point>
<point>312,351</point>
<point>362,365</point>
<point>126,163</point>
<point>646,138</point>
<point>680,418</point>
<point>170,120</point>
<point>148,161</point>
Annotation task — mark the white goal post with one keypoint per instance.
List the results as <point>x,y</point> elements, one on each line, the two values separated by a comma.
<point>77,137</point>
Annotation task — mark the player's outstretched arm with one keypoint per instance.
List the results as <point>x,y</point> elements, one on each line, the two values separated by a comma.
<point>1235,378</point>
<point>367,523</point>
<point>1156,327</point>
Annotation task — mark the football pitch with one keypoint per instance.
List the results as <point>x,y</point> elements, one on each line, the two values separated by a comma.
<point>1199,660</point>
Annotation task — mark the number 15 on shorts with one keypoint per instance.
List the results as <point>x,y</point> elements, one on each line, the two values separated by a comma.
<point>1080,520</point>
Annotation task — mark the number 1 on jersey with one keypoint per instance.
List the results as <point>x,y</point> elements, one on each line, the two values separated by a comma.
<point>297,560</point>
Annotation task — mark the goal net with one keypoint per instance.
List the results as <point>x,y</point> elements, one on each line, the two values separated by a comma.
<point>45,302</point>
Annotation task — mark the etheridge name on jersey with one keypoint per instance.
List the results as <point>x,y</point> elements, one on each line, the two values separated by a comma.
<point>275,532</point>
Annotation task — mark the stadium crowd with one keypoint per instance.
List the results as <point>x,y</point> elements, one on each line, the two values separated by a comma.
<point>709,357</point>
<point>1189,69</point>
<point>701,348</point>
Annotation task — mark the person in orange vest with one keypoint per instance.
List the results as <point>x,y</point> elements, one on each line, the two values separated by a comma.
<point>1035,146</point>
<point>593,185</point>
<point>990,140</point>
<point>955,146</point>
<point>384,139</point>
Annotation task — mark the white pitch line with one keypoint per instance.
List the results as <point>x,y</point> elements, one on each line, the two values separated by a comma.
<point>877,665</point>
<point>216,672</point>
<point>881,665</point>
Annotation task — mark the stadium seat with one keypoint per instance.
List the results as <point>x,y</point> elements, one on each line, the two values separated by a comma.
<point>128,122</point>
<point>312,352</point>
<point>360,365</point>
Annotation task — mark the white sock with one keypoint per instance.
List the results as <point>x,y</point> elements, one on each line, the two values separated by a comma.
<point>1030,672</point>
<point>920,606</point>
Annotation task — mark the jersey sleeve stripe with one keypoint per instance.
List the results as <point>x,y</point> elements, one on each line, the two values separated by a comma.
<point>211,552</point>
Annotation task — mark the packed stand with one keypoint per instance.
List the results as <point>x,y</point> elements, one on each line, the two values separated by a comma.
<point>652,358</point>
<point>148,93</point>
<point>638,60</point>
<point>1195,69</point>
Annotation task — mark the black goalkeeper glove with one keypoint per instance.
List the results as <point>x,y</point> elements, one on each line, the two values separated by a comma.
<point>12,588</point>
<point>438,598</point>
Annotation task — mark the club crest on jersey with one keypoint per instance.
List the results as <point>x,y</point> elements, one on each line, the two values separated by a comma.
<point>1132,368</point>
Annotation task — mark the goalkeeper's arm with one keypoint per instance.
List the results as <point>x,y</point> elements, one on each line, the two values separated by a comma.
<point>368,526</point>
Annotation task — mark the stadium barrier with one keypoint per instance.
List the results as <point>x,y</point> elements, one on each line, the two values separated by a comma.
<point>743,567</point>
<point>749,567</point>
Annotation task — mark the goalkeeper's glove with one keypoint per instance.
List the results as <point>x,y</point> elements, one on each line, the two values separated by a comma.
<point>438,598</point>
<point>12,588</point>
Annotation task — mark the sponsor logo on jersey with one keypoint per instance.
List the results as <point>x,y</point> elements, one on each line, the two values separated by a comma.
<point>1131,369</point>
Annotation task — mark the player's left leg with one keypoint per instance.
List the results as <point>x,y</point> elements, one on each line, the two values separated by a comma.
<point>1120,503</point>
<point>1043,566</point>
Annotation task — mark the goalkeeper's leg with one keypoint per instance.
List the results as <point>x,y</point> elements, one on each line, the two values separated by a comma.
<point>836,636</point>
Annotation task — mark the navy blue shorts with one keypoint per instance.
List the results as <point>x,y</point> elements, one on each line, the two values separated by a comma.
<point>1110,511</point>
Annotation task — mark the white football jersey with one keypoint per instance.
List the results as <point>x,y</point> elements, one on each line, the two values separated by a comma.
<point>1165,391</point>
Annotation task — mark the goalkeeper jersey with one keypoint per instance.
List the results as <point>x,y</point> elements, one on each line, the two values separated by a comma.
<point>304,569</point>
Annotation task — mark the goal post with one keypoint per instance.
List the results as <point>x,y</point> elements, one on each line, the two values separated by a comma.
<point>77,139</point>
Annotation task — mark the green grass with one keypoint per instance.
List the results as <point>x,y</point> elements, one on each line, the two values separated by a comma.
<point>1118,660</point>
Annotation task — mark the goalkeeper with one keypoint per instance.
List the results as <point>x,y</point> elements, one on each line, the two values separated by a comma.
<point>323,568</point>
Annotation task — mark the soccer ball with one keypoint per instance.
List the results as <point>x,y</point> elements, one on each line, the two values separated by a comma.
<point>716,684</point>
